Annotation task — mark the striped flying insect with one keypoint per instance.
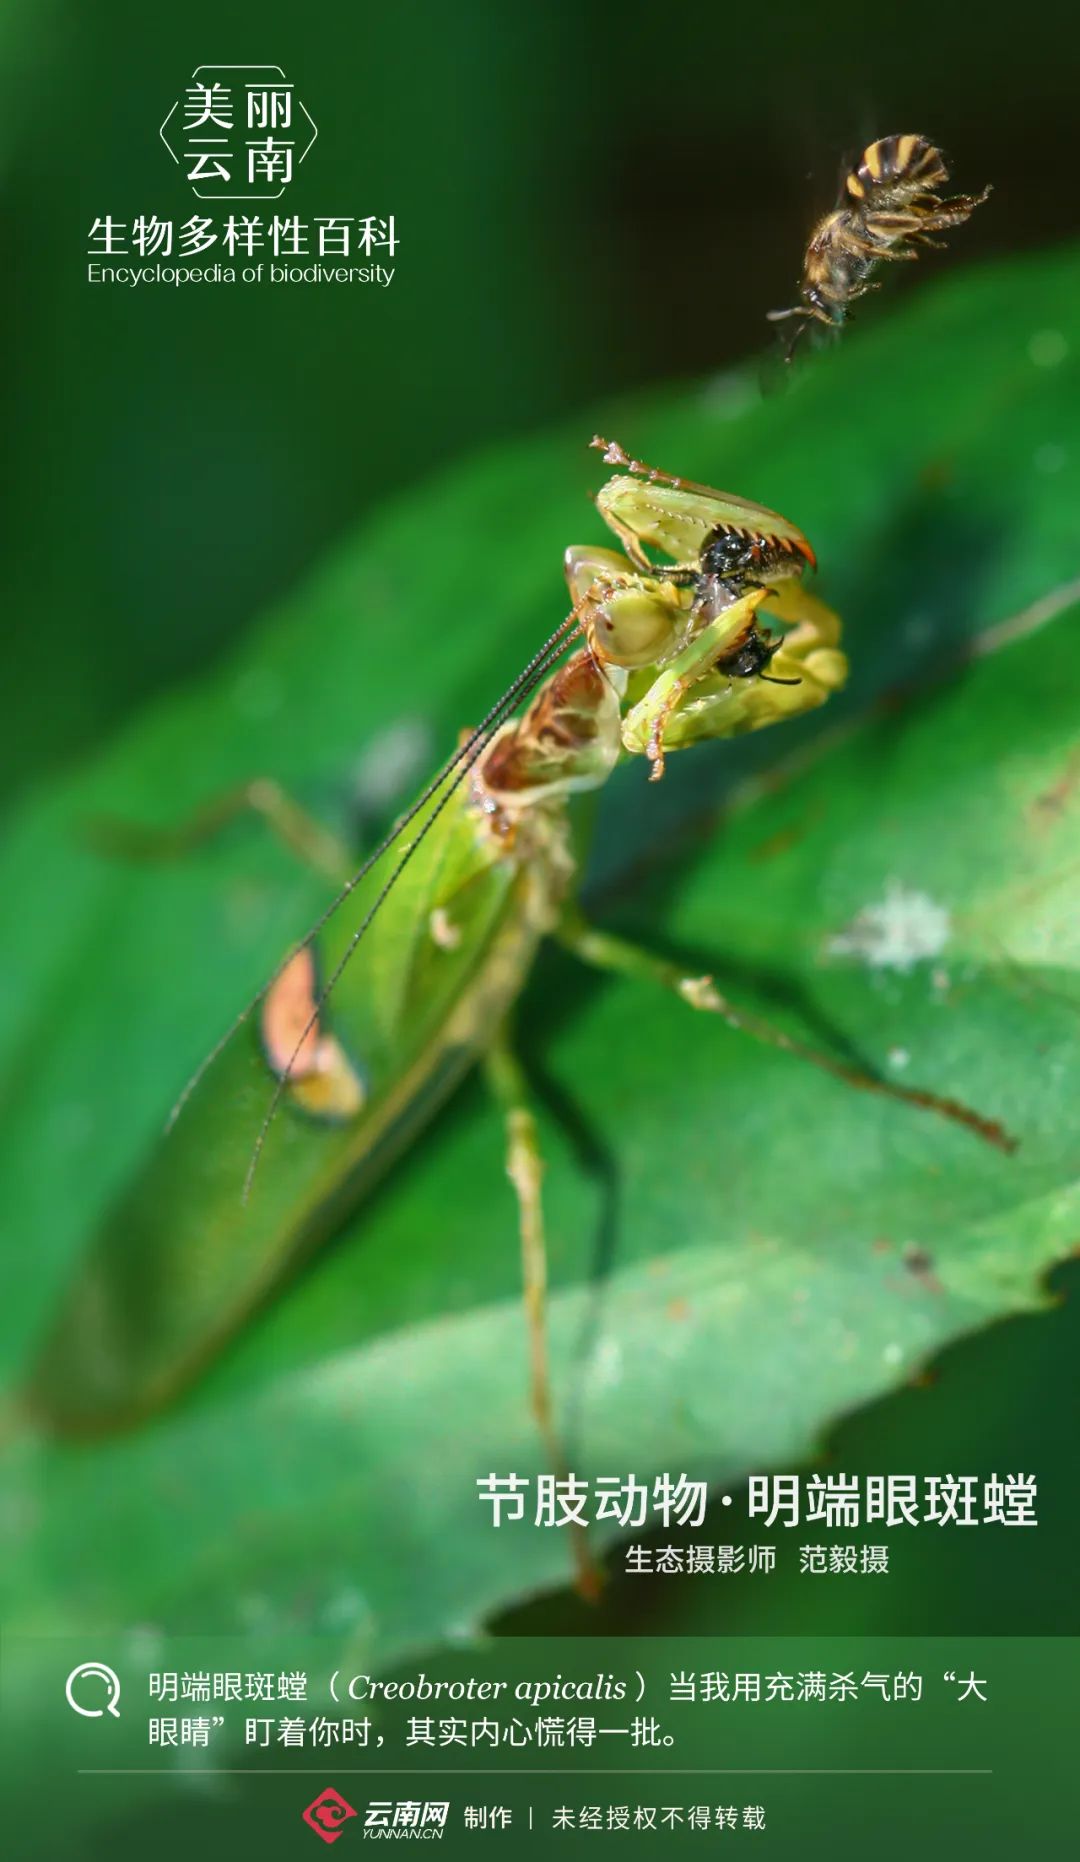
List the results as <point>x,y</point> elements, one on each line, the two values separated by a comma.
<point>410,975</point>
<point>889,208</point>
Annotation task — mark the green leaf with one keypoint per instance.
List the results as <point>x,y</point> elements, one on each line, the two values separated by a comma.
<point>742,1249</point>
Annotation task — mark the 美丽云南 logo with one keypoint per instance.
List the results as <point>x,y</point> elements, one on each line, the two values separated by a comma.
<point>239,132</point>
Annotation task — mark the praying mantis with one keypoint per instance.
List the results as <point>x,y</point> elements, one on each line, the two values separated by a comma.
<point>410,976</point>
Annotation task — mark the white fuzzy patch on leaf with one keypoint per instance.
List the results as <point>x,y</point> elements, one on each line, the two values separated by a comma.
<point>895,933</point>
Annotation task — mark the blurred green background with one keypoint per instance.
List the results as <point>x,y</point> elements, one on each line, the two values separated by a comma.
<point>589,198</point>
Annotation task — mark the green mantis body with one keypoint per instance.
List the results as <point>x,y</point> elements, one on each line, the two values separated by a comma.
<point>673,653</point>
<point>439,970</point>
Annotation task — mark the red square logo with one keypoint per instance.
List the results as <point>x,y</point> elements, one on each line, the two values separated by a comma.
<point>327,1814</point>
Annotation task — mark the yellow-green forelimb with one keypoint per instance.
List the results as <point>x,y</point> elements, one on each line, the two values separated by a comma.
<point>696,696</point>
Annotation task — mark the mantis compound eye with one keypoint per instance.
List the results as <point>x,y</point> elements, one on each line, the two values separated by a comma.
<point>634,626</point>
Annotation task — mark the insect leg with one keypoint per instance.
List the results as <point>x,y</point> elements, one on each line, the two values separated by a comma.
<point>602,951</point>
<point>936,210</point>
<point>898,251</point>
<point>949,213</point>
<point>294,827</point>
<point>632,546</point>
<point>877,249</point>
<point>645,723</point>
<point>682,574</point>
<point>525,1168</point>
<point>809,312</point>
<point>616,455</point>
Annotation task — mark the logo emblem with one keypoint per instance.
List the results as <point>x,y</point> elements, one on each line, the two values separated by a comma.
<point>239,132</point>
<point>327,1814</point>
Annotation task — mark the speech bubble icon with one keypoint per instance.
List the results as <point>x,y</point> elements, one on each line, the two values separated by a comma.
<point>101,1673</point>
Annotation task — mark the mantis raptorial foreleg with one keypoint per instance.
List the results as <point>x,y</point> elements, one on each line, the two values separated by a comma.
<point>645,724</point>
<point>525,1169</point>
<point>616,955</point>
<point>805,666</point>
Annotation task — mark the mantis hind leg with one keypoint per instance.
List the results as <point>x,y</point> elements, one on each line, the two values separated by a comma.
<point>525,1169</point>
<point>617,956</point>
<point>297,830</point>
